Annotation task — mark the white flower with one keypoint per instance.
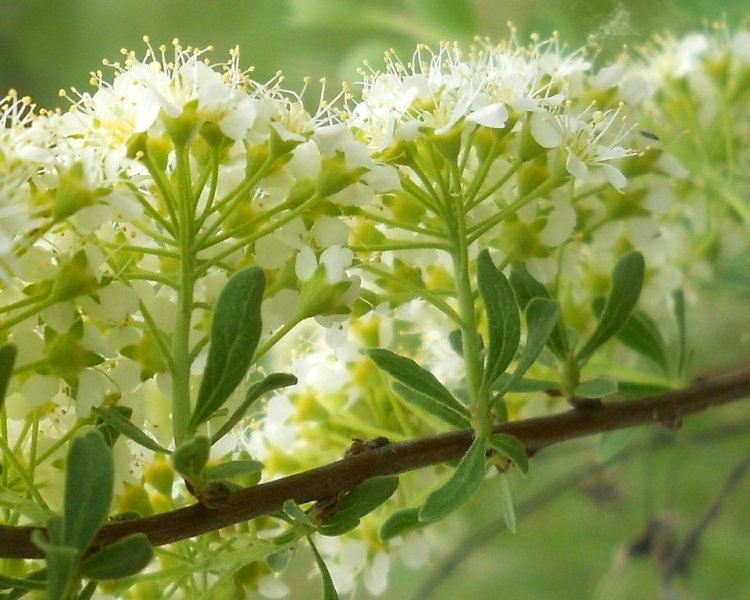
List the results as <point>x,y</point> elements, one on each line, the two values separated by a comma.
<point>588,140</point>
<point>436,91</point>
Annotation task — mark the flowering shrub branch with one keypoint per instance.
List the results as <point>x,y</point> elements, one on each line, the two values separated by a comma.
<point>206,287</point>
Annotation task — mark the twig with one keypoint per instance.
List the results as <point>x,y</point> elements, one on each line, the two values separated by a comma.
<point>343,475</point>
<point>679,558</point>
<point>552,491</point>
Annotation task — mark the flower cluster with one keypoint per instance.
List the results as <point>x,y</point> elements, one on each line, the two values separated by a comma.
<point>123,219</point>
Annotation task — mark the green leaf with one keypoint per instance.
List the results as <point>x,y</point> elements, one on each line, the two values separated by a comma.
<point>273,381</point>
<point>512,448</point>
<point>627,282</point>
<point>362,500</point>
<point>191,457</point>
<point>527,288</point>
<point>508,506</point>
<point>502,317</point>
<point>456,342</point>
<point>292,509</point>
<point>462,485</point>
<point>542,316</point>
<point>601,387</point>
<point>120,423</point>
<point>231,469</point>
<point>399,523</point>
<point>110,433</point>
<point>641,334</point>
<point>460,419</point>
<point>329,590</point>
<point>89,484</point>
<point>124,558</point>
<point>7,360</point>
<point>415,377</point>
<point>235,332</point>
<point>22,584</point>
<point>62,563</point>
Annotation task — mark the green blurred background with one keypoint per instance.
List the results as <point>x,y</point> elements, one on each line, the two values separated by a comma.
<point>46,45</point>
<point>578,542</point>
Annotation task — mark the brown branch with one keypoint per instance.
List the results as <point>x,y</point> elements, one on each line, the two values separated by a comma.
<point>475,541</point>
<point>343,475</point>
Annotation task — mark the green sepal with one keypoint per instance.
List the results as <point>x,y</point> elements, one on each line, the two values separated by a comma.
<point>502,317</point>
<point>363,499</point>
<point>627,282</point>
<point>115,418</point>
<point>235,332</point>
<point>462,485</point>
<point>89,484</point>
<point>123,558</point>
<point>7,360</point>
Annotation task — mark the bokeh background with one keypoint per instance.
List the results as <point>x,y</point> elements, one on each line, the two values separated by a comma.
<point>586,529</point>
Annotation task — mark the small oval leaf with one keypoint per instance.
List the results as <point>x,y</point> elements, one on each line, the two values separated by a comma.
<point>502,317</point>
<point>410,374</point>
<point>542,316</point>
<point>627,282</point>
<point>462,485</point>
<point>460,419</point>
<point>601,387</point>
<point>235,332</point>
<point>232,468</point>
<point>526,289</point>
<point>124,558</point>
<point>512,448</point>
<point>89,484</point>
<point>399,523</point>
<point>362,500</point>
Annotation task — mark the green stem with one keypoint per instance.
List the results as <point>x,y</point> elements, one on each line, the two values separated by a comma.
<point>479,398</point>
<point>181,339</point>
<point>11,460</point>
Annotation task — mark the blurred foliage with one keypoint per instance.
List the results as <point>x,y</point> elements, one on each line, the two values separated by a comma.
<point>51,44</point>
